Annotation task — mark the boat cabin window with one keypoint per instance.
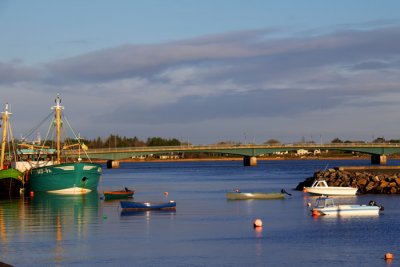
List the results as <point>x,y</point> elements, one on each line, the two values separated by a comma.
<point>329,203</point>
<point>324,202</point>
<point>320,184</point>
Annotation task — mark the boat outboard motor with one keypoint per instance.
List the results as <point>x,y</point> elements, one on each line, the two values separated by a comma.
<point>373,203</point>
<point>283,191</point>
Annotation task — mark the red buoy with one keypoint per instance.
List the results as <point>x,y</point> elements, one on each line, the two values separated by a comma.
<point>31,193</point>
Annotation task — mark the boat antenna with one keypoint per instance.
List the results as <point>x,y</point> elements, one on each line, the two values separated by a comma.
<point>326,166</point>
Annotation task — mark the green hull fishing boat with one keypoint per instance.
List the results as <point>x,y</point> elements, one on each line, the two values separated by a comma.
<point>11,180</point>
<point>65,178</point>
<point>58,175</point>
<point>10,183</point>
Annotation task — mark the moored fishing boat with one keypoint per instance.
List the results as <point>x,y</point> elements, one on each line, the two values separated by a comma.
<point>11,180</point>
<point>10,183</point>
<point>320,187</point>
<point>58,175</point>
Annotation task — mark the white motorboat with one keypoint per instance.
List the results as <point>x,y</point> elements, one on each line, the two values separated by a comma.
<point>326,206</point>
<point>320,187</point>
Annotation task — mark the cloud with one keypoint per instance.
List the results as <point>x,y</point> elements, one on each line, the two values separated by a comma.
<point>237,76</point>
<point>10,73</point>
<point>249,59</point>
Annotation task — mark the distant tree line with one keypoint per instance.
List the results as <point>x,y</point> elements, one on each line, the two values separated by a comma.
<point>336,140</point>
<point>378,140</point>
<point>123,141</point>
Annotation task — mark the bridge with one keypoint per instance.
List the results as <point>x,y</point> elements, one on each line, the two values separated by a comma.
<point>378,151</point>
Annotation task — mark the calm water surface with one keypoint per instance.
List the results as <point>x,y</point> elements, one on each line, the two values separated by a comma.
<point>206,229</point>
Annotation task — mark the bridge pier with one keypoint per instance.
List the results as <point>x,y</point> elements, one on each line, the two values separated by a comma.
<point>378,159</point>
<point>249,161</point>
<point>112,164</point>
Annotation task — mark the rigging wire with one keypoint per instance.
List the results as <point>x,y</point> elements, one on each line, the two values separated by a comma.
<point>76,137</point>
<point>31,131</point>
<point>12,148</point>
<point>50,135</point>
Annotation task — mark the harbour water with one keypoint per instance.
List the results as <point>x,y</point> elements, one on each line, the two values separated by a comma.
<point>206,229</point>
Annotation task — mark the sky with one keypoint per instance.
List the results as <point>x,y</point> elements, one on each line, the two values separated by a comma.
<point>205,71</point>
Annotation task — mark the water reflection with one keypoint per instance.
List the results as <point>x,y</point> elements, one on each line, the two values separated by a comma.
<point>147,213</point>
<point>11,211</point>
<point>46,208</point>
<point>48,217</point>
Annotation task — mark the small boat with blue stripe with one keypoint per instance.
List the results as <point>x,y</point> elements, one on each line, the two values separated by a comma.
<point>326,206</point>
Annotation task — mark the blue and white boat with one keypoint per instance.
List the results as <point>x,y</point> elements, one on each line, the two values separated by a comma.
<point>139,206</point>
<point>326,206</point>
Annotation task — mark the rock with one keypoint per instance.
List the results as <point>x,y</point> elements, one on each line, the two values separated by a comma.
<point>362,182</point>
<point>370,186</point>
<point>372,183</point>
<point>384,184</point>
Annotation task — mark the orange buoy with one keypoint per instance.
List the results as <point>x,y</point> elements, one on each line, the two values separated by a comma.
<point>166,194</point>
<point>388,256</point>
<point>32,194</point>
<point>257,223</point>
<point>315,213</point>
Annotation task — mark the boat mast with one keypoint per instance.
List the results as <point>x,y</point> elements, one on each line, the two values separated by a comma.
<point>58,109</point>
<point>4,135</point>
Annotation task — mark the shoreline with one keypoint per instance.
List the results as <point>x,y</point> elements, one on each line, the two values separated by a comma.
<point>234,159</point>
<point>370,168</point>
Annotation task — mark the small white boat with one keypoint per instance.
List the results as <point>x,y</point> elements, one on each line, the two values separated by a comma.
<point>238,195</point>
<point>320,187</point>
<point>326,206</point>
<point>257,195</point>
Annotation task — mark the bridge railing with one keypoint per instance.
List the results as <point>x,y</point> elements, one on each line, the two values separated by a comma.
<point>230,146</point>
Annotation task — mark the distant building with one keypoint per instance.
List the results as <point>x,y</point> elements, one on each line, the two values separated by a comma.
<point>171,156</point>
<point>281,153</point>
<point>302,152</point>
<point>317,152</point>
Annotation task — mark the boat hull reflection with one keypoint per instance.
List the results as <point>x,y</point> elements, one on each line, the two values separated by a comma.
<point>126,213</point>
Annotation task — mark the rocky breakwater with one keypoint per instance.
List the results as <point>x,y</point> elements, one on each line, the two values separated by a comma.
<point>367,181</point>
